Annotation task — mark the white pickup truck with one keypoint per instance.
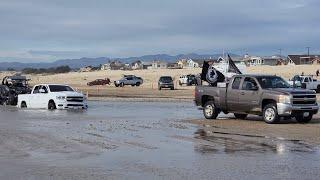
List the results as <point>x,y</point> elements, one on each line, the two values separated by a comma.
<point>53,96</point>
<point>305,82</point>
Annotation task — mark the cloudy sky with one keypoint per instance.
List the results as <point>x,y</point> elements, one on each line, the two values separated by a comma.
<point>47,30</point>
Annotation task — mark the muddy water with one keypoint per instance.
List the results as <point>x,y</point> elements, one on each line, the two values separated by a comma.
<point>141,140</point>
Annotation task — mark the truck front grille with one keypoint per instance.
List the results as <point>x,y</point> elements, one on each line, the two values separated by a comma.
<point>75,99</point>
<point>304,99</point>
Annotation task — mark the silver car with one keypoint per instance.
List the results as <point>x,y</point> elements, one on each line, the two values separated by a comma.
<point>129,80</point>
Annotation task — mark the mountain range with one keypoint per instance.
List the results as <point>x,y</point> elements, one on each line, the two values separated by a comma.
<point>82,62</point>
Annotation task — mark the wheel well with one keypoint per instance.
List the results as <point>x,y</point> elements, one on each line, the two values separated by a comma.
<point>206,98</point>
<point>23,102</point>
<point>268,101</point>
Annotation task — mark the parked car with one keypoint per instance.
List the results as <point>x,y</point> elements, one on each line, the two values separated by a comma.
<point>99,82</point>
<point>188,80</point>
<point>165,82</point>
<point>129,80</point>
<point>53,96</point>
<point>306,82</point>
<point>268,96</point>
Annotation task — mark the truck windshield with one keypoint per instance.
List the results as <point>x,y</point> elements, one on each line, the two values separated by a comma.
<point>59,88</point>
<point>272,82</point>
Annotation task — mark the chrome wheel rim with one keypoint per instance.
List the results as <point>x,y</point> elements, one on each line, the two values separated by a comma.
<point>269,114</point>
<point>209,110</point>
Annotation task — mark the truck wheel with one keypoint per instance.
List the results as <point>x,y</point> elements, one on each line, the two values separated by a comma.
<point>137,84</point>
<point>116,85</point>
<point>210,110</point>
<point>240,116</point>
<point>180,83</point>
<point>303,119</point>
<point>23,105</point>
<point>172,88</point>
<point>270,114</point>
<point>318,89</point>
<point>159,88</point>
<point>121,84</point>
<point>51,105</point>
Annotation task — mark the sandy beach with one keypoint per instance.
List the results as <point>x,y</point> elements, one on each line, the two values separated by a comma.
<point>149,88</point>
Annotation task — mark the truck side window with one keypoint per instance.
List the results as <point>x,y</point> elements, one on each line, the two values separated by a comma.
<point>306,79</point>
<point>36,90</point>
<point>236,83</point>
<point>249,83</point>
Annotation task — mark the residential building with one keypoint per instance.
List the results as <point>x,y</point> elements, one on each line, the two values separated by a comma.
<point>159,65</point>
<point>105,66</point>
<point>303,59</point>
<point>137,65</point>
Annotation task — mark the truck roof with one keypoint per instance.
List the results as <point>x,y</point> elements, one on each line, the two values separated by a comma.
<point>255,75</point>
<point>51,84</point>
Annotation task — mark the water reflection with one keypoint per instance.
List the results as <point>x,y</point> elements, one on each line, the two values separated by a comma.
<point>231,143</point>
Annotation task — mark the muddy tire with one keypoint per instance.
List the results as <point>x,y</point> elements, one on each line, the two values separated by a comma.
<point>51,105</point>
<point>240,116</point>
<point>303,119</point>
<point>210,111</point>
<point>270,114</point>
<point>318,89</point>
<point>23,104</point>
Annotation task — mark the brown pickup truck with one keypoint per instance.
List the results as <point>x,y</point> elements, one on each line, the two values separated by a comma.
<point>268,96</point>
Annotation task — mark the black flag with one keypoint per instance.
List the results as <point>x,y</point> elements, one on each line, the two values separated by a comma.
<point>211,75</point>
<point>232,67</point>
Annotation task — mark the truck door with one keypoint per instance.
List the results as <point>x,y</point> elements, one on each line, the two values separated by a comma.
<point>249,96</point>
<point>44,97</point>
<point>33,98</point>
<point>233,94</point>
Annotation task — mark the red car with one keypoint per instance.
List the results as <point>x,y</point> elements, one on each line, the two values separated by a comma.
<point>99,82</point>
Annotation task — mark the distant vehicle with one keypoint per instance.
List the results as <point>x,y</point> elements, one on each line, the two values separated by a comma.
<point>12,86</point>
<point>52,96</point>
<point>305,82</point>
<point>4,95</point>
<point>188,80</point>
<point>165,82</point>
<point>268,96</point>
<point>99,82</point>
<point>129,80</point>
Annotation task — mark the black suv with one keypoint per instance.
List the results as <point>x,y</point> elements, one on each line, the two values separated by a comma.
<point>165,82</point>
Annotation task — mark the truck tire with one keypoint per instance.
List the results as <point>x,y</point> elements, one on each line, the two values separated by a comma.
<point>172,88</point>
<point>318,89</point>
<point>240,116</point>
<point>159,88</point>
<point>51,105</point>
<point>23,104</point>
<point>210,110</point>
<point>270,114</point>
<point>121,84</point>
<point>180,83</point>
<point>301,119</point>
<point>137,84</point>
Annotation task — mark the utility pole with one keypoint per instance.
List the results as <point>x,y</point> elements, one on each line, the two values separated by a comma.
<point>280,50</point>
<point>308,50</point>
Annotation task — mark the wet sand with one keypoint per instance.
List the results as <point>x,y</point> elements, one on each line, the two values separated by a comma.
<point>152,140</point>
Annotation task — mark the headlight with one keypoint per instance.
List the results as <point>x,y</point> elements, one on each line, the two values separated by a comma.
<point>61,97</point>
<point>285,99</point>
